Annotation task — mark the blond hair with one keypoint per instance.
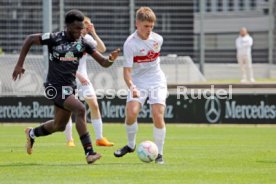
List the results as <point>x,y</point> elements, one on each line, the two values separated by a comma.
<point>145,14</point>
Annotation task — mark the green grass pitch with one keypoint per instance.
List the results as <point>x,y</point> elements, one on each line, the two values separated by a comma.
<point>194,154</point>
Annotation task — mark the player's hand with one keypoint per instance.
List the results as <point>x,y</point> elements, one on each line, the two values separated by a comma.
<point>17,72</point>
<point>134,91</point>
<point>90,28</point>
<point>113,55</point>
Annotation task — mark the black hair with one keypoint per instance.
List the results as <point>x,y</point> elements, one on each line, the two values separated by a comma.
<point>73,15</point>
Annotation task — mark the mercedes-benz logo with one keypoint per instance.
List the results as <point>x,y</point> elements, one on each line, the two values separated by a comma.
<point>212,109</point>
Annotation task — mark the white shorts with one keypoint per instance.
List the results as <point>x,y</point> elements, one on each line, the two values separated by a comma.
<point>85,91</point>
<point>155,95</point>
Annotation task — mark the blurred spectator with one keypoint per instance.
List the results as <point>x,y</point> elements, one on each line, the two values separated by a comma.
<point>243,44</point>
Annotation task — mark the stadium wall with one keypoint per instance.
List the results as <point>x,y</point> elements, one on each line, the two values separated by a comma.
<point>177,20</point>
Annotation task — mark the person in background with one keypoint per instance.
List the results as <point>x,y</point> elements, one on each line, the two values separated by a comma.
<point>86,90</point>
<point>243,45</point>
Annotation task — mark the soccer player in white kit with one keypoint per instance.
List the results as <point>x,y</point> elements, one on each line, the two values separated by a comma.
<point>243,44</point>
<point>86,90</point>
<point>145,79</point>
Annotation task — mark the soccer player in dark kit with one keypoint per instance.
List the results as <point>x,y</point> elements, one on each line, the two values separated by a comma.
<point>65,49</point>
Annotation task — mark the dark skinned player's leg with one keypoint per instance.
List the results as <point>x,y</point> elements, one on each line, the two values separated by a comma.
<point>59,122</point>
<point>62,117</point>
<point>78,109</point>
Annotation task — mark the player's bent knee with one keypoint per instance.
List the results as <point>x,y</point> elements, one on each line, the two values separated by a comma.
<point>132,116</point>
<point>132,112</point>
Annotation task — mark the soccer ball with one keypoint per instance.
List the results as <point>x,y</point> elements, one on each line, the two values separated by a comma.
<point>147,151</point>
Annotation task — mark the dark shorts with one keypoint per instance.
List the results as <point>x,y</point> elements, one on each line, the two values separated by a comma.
<point>58,94</point>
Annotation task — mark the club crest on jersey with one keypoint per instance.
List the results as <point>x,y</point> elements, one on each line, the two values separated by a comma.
<point>69,56</point>
<point>156,46</point>
<point>78,46</point>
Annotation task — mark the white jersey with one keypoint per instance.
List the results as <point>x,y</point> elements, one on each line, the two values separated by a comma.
<point>243,45</point>
<point>82,63</point>
<point>143,57</point>
<point>85,91</point>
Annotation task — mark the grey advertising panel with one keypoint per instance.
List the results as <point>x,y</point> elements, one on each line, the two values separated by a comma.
<point>240,108</point>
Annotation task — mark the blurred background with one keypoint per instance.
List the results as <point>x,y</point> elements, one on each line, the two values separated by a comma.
<point>199,48</point>
<point>205,30</point>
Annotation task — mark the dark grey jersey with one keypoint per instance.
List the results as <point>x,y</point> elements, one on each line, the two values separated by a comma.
<point>64,56</point>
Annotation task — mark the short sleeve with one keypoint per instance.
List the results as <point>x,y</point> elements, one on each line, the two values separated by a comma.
<point>128,55</point>
<point>46,39</point>
<point>90,39</point>
<point>89,47</point>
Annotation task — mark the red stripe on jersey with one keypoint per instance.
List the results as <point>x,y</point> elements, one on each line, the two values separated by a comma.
<point>151,56</point>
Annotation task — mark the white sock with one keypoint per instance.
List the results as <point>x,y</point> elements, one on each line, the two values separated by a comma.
<point>68,130</point>
<point>31,133</point>
<point>98,128</point>
<point>159,135</point>
<point>131,131</point>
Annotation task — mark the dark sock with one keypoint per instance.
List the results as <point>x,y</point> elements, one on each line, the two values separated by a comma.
<point>41,131</point>
<point>87,145</point>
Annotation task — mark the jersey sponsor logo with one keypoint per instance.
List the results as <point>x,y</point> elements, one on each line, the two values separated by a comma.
<point>45,36</point>
<point>69,56</point>
<point>151,56</point>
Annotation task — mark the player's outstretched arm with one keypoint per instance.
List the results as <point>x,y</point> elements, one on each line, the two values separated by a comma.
<point>100,44</point>
<point>30,40</point>
<point>106,62</point>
